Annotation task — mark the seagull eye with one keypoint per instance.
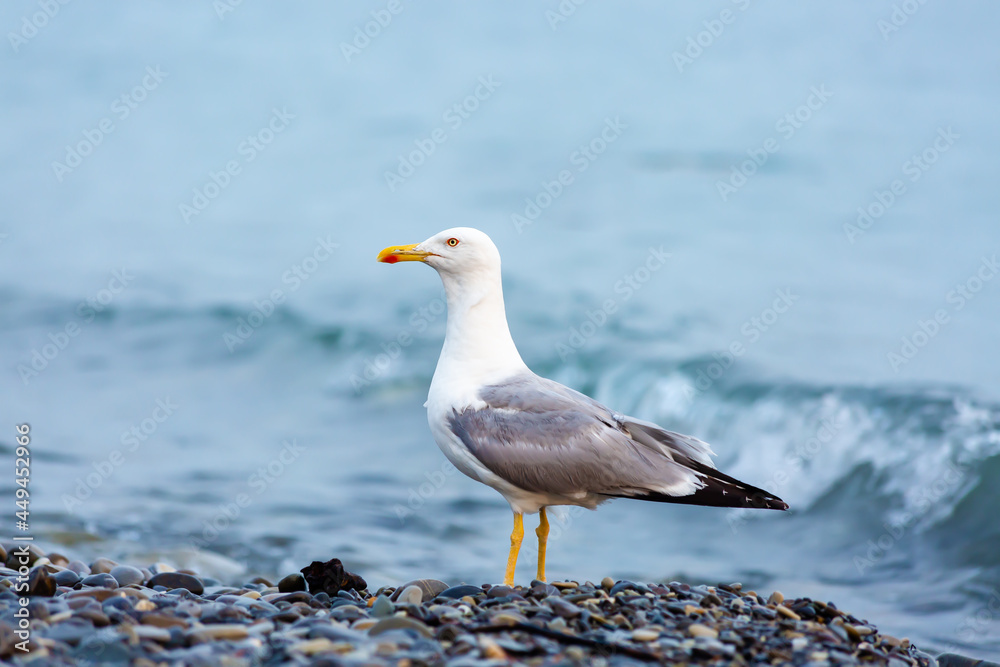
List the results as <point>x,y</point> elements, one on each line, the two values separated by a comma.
<point>453,242</point>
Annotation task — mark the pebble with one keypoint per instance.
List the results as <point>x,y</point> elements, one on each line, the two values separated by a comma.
<point>40,583</point>
<point>66,578</point>
<point>787,613</point>
<point>382,607</point>
<point>101,580</point>
<point>699,630</point>
<point>411,595</point>
<point>102,566</point>
<point>291,583</point>
<point>174,580</point>
<point>458,592</point>
<point>162,617</point>
<point>430,588</point>
<point>225,631</point>
<point>126,575</point>
<point>400,623</point>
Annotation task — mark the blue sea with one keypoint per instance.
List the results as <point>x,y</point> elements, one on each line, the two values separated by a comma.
<point>770,225</point>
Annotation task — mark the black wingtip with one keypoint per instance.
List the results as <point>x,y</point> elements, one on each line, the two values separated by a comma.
<point>718,490</point>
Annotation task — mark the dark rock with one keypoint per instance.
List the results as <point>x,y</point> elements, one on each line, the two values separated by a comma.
<point>562,607</point>
<point>41,583</point>
<point>297,596</point>
<point>66,578</point>
<point>22,554</point>
<point>174,580</point>
<point>291,583</point>
<point>331,577</point>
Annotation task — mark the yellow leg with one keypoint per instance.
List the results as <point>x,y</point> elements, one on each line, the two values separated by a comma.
<point>515,545</point>
<point>543,535</point>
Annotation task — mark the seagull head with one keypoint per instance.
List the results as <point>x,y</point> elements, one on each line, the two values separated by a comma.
<point>459,252</point>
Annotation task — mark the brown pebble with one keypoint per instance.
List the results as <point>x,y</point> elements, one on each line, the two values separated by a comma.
<point>223,631</point>
<point>699,630</point>
<point>787,613</point>
<point>776,598</point>
<point>102,566</point>
<point>163,620</point>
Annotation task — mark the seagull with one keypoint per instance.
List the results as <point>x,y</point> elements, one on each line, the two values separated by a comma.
<point>535,441</point>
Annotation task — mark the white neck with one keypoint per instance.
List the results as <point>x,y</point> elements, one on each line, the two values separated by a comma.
<point>478,348</point>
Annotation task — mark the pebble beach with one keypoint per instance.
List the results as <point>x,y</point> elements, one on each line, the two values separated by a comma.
<point>110,613</point>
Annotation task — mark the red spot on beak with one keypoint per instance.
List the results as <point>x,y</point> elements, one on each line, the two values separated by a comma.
<point>390,259</point>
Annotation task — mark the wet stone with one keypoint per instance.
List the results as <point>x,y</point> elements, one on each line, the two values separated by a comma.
<point>291,583</point>
<point>102,566</point>
<point>66,578</point>
<point>41,583</point>
<point>174,580</point>
<point>382,607</point>
<point>126,575</point>
<point>100,580</point>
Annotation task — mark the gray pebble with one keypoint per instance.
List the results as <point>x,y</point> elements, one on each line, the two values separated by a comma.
<point>383,607</point>
<point>101,579</point>
<point>127,575</point>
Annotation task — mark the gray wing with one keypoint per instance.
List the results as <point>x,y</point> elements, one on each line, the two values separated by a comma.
<point>546,438</point>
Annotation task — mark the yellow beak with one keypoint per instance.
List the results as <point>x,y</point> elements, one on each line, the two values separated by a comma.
<point>402,253</point>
